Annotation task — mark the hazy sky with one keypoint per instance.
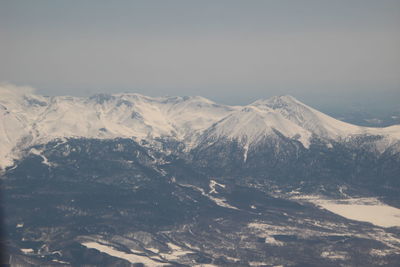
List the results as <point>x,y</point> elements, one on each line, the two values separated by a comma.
<point>229,51</point>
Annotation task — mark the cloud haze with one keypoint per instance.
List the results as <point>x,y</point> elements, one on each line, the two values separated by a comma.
<point>230,51</point>
<point>11,89</point>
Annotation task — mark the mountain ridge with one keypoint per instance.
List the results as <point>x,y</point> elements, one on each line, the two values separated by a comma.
<point>28,119</point>
<point>122,180</point>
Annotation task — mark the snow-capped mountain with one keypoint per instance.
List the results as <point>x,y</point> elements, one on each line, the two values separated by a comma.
<point>27,119</point>
<point>251,124</point>
<point>126,179</point>
<point>317,122</point>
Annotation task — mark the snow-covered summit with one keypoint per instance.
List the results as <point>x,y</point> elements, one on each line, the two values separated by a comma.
<point>252,124</point>
<point>27,119</point>
<point>276,102</point>
<point>310,119</point>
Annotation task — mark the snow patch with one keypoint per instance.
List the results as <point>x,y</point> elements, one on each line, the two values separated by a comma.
<point>334,255</point>
<point>213,185</point>
<point>37,152</point>
<point>360,209</point>
<point>219,201</point>
<point>58,261</point>
<point>176,252</point>
<point>272,241</point>
<point>132,258</point>
<point>382,252</point>
<point>27,250</point>
<point>257,263</point>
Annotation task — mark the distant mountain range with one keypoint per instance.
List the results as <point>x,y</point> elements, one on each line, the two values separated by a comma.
<point>28,119</point>
<point>131,180</point>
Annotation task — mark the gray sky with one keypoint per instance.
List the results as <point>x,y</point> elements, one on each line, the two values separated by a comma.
<point>229,51</point>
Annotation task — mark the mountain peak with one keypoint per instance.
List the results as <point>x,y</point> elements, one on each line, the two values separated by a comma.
<point>33,119</point>
<point>277,102</point>
<point>101,98</point>
<point>283,98</point>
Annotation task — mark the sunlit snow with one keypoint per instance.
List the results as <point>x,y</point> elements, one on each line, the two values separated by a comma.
<point>360,209</point>
<point>132,258</point>
<point>28,119</point>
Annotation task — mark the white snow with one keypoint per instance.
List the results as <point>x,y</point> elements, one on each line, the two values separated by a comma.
<point>154,250</point>
<point>360,209</point>
<point>382,252</point>
<point>381,215</point>
<point>217,200</point>
<point>45,161</point>
<point>63,262</point>
<point>251,124</point>
<point>326,228</point>
<point>132,258</point>
<point>176,252</point>
<point>213,189</point>
<point>257,263</point>
<point>308,118</point>
<point>272,241</point>
<point>334,255</point>
<point>28,119</point>
<point>27,250</point>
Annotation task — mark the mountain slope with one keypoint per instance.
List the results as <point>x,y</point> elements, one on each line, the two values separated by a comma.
<point>250,124</point>
<point>116,203</point>
<point>28,119</point>
<point>126,179</point>
<point>309,118</point>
